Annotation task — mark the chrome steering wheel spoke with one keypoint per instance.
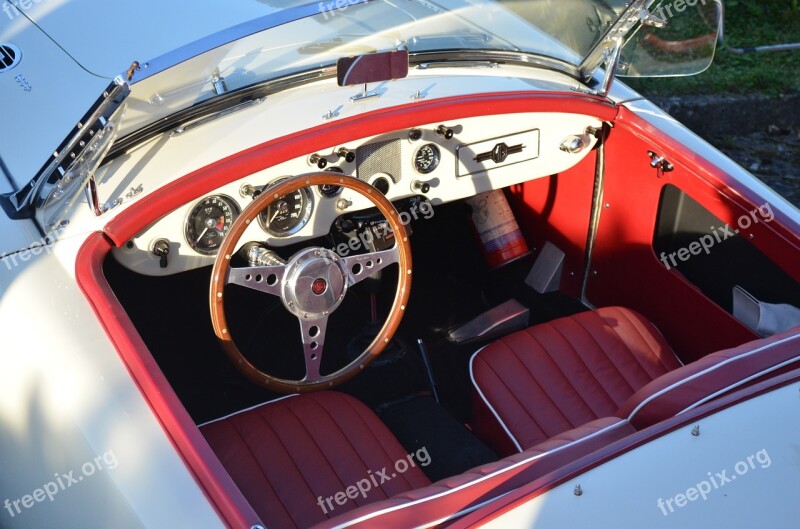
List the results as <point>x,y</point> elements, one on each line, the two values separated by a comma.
<point>262,278</point>
<point>313,335</point>
<point>311,285</point>
<point>360,267</point>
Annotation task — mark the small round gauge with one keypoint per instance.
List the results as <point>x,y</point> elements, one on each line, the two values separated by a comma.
<point>288,214</point>
<point>330,190</point>
<point>209,222</point>
<point>426,159</point>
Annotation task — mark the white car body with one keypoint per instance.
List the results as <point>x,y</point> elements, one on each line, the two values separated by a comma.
<point>70,406</point>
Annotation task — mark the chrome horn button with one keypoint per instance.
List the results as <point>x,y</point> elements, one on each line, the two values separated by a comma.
<point>314,284</point>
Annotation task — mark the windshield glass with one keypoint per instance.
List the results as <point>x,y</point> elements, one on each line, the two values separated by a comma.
<point>564,30</point>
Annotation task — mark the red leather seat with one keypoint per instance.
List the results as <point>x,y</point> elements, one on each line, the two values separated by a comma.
<point>457,495</point>
<point>713,375</point>
<point>717,374</point>
<point>290,456</point>
<point>285,456</point>
<point>537,383</point>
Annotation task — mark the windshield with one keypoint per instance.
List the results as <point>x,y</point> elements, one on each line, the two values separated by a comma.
<point>563,30</point>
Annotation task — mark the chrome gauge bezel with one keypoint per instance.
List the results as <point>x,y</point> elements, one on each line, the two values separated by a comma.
<point>437,158</point>
<point>304,217</point>
<point>232,203</point>
<point>338,189</point>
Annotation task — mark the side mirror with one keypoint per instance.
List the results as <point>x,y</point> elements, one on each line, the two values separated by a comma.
<point>681,42</point>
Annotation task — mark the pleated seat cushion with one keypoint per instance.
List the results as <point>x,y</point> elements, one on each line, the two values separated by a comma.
<point>539,382</point>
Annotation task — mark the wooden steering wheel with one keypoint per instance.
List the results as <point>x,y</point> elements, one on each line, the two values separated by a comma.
<point>311,285</point>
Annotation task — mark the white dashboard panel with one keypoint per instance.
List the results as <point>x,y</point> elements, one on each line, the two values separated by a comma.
<point>491,154</point>
<point>463,170</point>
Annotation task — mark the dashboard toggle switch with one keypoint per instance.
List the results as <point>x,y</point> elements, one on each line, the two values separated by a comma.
<point>348,155</point>
<point>320,161</point>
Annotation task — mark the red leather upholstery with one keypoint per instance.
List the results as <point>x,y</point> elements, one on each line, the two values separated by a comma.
<point>711,376</point>
<point>559,375</point>
<point>286,455</point>
<point>669,394</point>
<point>459,494</point>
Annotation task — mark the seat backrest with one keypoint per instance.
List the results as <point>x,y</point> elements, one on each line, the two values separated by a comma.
<point>713,375</point>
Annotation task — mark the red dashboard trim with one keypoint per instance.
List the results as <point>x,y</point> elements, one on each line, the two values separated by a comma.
<point>179,427</point>
<point>273,152</point>
<point>165,404</point>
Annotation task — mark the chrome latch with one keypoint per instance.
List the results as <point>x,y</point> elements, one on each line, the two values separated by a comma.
<point>660,163</point>
<point>575,144</point>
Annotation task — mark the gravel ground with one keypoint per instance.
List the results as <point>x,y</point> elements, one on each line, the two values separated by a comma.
<point>773,156</point>
<point>761,134</point>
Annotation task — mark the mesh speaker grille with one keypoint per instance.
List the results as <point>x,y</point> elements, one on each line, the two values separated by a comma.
<point>379,157</point>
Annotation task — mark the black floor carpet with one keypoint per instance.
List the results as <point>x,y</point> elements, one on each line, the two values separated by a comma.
<point>431,433</point>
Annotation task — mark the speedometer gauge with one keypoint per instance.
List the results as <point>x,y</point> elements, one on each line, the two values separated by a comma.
<point>288,214</point>
<point>209,222</point>
<point>426,159</point>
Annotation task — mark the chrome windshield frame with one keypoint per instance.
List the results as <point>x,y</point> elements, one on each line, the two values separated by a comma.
<point>637,11</point>
<point>267,87</point>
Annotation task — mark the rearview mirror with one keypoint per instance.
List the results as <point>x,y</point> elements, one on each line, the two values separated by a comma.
<point>372,68</point>
<point>684,46</point>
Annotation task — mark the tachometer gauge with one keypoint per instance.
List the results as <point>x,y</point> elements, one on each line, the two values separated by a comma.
<point>208,223</point>
<point>426,159</point>
<point>288,214</point>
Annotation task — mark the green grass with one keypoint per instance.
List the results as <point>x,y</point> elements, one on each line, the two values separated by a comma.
<point>748,23</point>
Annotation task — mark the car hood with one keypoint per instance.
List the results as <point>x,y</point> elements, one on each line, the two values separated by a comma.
<point>122,32</point>
<point>69,52</point>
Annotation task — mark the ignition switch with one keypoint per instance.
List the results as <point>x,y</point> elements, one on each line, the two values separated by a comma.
<point>161,250</point>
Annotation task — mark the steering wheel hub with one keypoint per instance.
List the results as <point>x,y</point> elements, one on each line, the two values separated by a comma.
<point>314,284</point>
<point>311,285</point>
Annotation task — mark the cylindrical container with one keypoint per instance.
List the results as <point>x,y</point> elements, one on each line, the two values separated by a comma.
<point>501,238</point>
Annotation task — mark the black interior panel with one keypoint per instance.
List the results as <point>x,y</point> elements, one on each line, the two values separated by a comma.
<point>731,261</point>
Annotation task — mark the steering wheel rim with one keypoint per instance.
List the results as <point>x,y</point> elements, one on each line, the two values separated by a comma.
<point>289,281</point>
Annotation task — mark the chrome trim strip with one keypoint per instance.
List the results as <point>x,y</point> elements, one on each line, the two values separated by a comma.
<point>455,58</point>
<point>199,122</point>
<point>226,36</point>
<point>21,204</point>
